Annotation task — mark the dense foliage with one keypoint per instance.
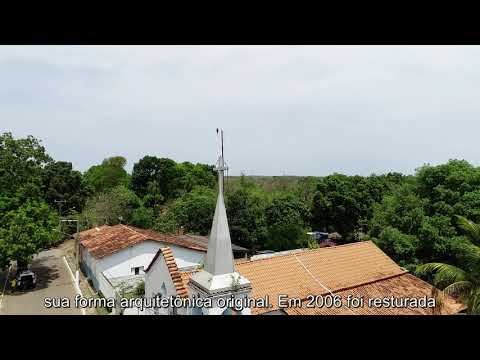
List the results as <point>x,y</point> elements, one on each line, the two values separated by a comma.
<point>246,205</point>
<point>25,231</point>
<point>26,221</point>
<point>414,219</point>
<point>118,205</point>
<point>425,209</point>
<point>193,211</point>
<point>66,186</point>
<point>109,174</point>
<point>345,203</point>
<point>461,282</point>
<point>155,177</point>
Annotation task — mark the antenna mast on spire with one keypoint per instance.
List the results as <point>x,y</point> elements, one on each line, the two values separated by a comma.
<point>221,166</point>
<point>221,134</point>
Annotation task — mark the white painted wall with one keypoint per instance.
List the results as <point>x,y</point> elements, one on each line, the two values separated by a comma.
<point>217,282</point>
<point>158,281</point>
<point>187,257</point>
<point>121,263</point>
<point>89,265</point>
<point>106,287</point>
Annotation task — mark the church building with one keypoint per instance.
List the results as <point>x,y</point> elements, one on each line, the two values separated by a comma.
<point>350,279</point>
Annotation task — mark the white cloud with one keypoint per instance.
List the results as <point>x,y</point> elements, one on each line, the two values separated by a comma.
<point>306,110</point>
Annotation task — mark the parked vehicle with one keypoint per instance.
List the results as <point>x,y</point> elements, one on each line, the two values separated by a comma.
<point>25,279</point>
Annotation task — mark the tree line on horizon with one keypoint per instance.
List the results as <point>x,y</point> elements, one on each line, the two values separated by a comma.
<point>414,219</point>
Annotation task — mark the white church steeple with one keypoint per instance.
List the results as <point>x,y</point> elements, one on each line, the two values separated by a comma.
<point>219,254</point>
<point>218,280</point>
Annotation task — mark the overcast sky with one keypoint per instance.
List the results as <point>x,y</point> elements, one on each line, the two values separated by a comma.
<point>294,110</point>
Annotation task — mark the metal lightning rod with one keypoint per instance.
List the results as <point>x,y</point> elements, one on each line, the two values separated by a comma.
<point>225,183</point>
<point>222,142</point>
<point>222,163</point>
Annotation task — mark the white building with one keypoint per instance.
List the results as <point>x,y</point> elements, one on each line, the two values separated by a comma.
<point>216,283</point>
<point>114,255</point>
<point>306,276</point>
<point>163,279</point>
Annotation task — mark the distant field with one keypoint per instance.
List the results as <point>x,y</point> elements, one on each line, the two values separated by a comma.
<point>270,183</point>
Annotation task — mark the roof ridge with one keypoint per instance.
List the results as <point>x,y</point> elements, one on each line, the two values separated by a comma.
<point>369,282</point>
<point>163,236</point>
<point>315,278</point>
<point>117,237</point>
<point>135,231</point>
<point>308,250</point>
<point>173,271</point>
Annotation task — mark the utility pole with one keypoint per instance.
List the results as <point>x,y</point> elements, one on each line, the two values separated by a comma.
<point>60,202</point>
<point>77,272</point>
<point>76,239</point>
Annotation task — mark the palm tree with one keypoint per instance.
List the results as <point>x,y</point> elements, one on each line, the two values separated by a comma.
<point>457,282</point>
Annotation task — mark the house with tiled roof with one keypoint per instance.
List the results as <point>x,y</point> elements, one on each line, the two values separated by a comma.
<point>316,282</point>
<point>216,283</point>
<point>163,270</point>
<point>351,279</point>
<point>113,256</point>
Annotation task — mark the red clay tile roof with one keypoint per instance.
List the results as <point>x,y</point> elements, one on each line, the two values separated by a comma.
<point>174,273</point>
<point>359,268</point>
<point>184,240</point>
<point>106,240</point>
<point>201,241</point>
<point>400,286</point>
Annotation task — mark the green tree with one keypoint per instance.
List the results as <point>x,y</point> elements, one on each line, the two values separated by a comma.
<point>109,174</point>
<point>21,166</point>
<point>159,172</point>
<point>246,215</point>
<point>426,206</point>
<point>286,208</point>
<point>166,222</point>
<point>142,217</point>
<point>468,206</point>
<point>153,198</point>
<point>194,211</point>
<point>435,234</point>
<point>25,231</point>
<point>447,182</point>
<point>399,246</point>
<point>461,283</point>
<point>286,237</point>
<point>286,218</point>
<point>305,190</point>
<point>192,175</point>
<point>344,204</point>
<point>403,210</point>
<point>61,182</point>
<point>112,207</point>
<point>26,222</point>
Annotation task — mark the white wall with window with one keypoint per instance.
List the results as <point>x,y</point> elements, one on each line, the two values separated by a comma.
<point>159,283</point>
<point>138,270</point>
<point>133,261</point>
